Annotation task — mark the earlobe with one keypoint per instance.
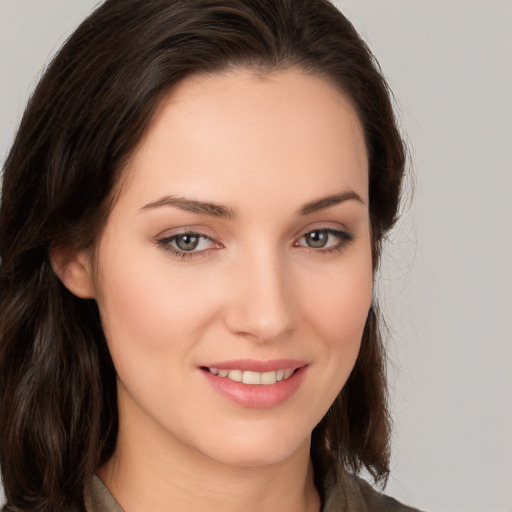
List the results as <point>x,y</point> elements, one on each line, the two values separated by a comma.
<point>74,269</point>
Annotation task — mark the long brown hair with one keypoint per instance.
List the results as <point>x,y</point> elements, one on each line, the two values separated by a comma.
<point>58,405</point>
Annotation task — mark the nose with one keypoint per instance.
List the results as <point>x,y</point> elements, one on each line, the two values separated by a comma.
<point>261,298</point>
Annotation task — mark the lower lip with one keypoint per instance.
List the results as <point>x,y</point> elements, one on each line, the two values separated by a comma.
<point>257,395</point>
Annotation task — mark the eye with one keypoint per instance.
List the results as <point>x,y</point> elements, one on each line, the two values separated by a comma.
<point>187,244</point>
<point>187,241</point>
<point>326,239</point>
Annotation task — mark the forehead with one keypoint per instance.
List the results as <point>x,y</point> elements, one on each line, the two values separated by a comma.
<point>243,132</point>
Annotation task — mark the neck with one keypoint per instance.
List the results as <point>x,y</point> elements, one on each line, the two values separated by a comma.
<point>159,473</point>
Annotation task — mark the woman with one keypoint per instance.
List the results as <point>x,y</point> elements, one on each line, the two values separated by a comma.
<point>191,218</point>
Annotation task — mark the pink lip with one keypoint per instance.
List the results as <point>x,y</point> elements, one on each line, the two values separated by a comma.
<point>254,395</point>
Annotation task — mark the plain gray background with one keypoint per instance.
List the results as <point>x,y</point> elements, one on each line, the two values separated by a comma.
<point>446,280</point>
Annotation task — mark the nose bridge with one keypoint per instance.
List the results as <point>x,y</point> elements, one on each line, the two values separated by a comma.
<point>261,303</point>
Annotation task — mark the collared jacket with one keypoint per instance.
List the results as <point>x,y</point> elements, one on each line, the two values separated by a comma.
<point>351,494</point>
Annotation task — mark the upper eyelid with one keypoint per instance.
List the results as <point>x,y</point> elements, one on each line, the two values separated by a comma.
<point>210,233</point>
<point>199,232</point>
<point>325,228</point>
<point>170,233</point>
<point>317,226</point>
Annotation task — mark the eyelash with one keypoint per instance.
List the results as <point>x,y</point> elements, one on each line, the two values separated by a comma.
<point>165,243</point>
<point>345,238</point>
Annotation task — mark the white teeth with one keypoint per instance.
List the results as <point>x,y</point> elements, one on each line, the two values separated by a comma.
<point>268,378</point>
<point>254,378</point>
<point>251,378</point>
<point>236,375</point>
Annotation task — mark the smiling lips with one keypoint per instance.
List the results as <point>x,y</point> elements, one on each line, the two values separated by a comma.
<point>251,377</point>
<point>256,384</point>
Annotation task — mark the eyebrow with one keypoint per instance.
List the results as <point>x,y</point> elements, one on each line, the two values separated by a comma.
<point>191,205</point>
<point>327,202</point>
<point>225,212</point>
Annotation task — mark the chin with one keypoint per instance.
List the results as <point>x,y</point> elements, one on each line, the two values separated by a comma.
<point>263,447</point>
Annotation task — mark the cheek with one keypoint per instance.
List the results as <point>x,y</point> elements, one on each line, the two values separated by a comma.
<point>337,309</point>
<point>151,315</point>
<point>339,303</point>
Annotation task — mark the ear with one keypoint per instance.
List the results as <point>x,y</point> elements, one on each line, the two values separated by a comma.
<point>74,268</point>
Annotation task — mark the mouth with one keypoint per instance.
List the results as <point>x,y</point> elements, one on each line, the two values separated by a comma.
<point>256,383</point>
<point>252,377</point>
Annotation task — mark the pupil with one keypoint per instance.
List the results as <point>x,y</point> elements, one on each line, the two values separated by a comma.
<point>187,242</point>
<point>317,239</point>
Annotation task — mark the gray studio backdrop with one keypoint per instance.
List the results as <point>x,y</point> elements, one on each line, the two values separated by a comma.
<point>446,282</point>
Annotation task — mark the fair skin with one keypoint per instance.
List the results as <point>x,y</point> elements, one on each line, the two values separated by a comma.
<point>270,280</point>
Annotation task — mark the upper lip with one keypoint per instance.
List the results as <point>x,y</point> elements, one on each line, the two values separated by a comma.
<point>253,365</point>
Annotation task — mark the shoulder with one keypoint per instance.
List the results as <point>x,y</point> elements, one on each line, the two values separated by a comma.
<point>377,501</point>
<point>353,494</point>
<point>99,499</point>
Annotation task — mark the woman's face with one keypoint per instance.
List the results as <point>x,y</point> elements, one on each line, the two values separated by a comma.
<point>239,248</point>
